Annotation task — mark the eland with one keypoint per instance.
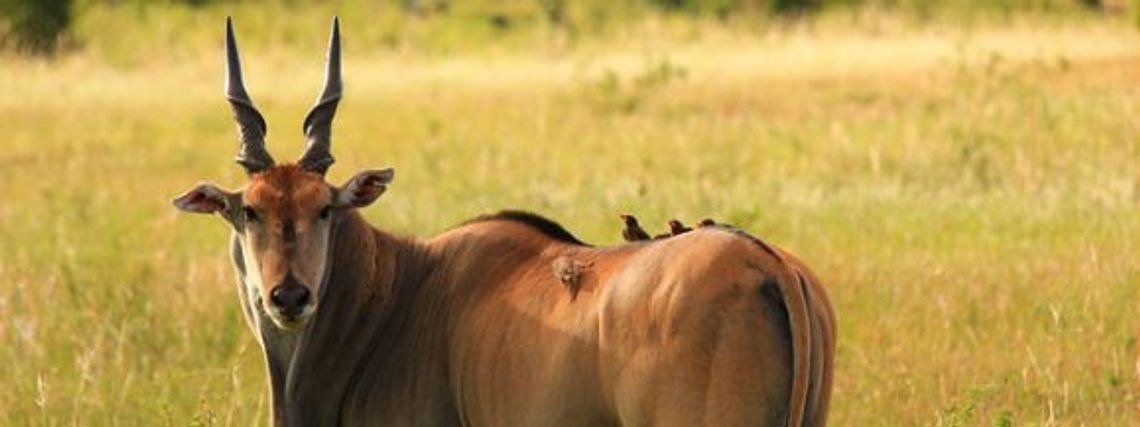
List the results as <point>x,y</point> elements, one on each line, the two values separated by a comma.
<point>713,327</point>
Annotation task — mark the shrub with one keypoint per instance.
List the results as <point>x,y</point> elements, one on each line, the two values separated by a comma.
<point>35,26</point>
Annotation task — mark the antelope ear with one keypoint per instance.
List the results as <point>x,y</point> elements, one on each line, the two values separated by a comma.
<point>364,188</point>
<point>205,198</point>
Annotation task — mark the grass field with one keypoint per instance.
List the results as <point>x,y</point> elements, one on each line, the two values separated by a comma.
<point>969,194</point>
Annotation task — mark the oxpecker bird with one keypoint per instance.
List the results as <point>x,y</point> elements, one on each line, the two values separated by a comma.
<point>633,231</point>
<point>677,227</point>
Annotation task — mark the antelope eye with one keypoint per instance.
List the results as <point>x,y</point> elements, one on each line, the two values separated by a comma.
<point>249,213</point>
<point>325,212</point>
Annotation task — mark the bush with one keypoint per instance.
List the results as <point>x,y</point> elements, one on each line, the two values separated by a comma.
<point>35,26</point>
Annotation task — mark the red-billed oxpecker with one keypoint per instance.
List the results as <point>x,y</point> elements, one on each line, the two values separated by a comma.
<point>470,328</point>
<point>677,228</point>
<point>632,232</point>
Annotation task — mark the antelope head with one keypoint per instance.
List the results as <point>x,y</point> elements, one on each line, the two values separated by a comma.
<point>284,215</point>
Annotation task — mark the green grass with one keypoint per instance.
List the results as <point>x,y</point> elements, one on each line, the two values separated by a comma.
<point>971,197</point>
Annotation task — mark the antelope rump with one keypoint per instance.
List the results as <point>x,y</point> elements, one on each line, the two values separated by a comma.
<point>712,327</point>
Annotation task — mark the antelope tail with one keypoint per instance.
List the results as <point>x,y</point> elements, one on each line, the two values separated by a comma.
<point>799,324</point>
<point>812,328</point>
<point>812,335</point>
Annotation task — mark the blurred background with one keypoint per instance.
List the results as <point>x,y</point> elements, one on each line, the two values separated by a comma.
<point>962,174</point>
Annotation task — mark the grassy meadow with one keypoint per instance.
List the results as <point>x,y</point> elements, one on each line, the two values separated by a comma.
<point>968,189</point>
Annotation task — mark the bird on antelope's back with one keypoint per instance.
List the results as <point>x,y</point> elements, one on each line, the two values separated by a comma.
<point>677,228</point>
<point>632,231</point>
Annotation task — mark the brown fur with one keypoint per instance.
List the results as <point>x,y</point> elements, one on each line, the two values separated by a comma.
<point>712,327</point>
<point>287,200</point>
<point>570,271</point>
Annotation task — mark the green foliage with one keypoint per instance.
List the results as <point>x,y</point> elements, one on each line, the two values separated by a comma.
<point>962,413</point>
<point>1134,7</point>
<point>612,93</point>
<point>443,26</point>
<point>792,6</point>
<point>716,7</point>
<point>1004,418</point>
<point>35,26</point>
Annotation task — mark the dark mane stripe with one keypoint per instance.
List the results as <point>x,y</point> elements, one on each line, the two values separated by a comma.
<point>535,221</point>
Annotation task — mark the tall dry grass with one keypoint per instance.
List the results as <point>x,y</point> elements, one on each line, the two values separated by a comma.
<point>970,197</point>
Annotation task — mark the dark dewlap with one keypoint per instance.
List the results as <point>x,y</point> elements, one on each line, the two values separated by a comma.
<point>538,222</point>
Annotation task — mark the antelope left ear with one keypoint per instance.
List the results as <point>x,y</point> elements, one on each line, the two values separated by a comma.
<point>205,198</point>
<point>364,188</point>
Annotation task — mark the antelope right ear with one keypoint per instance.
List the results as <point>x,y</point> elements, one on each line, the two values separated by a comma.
<point>205,198</point>
<point>364,188</point>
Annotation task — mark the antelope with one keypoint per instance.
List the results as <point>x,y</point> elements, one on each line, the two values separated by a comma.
<point>713,327</point>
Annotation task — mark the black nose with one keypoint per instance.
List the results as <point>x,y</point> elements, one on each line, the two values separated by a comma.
<point>290,299</point>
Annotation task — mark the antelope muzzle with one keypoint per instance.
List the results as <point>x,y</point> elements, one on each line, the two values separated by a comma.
<point>290,302</point>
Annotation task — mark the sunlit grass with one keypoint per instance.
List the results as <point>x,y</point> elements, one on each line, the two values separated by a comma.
<point>970,197</point>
